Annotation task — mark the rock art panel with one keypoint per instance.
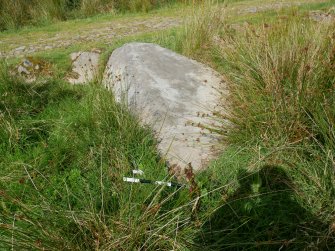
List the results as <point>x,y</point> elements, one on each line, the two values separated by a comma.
<point>178,97</point>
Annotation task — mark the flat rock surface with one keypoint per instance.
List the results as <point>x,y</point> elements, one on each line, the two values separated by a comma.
<point>85,66</point>
<point>176,96</point>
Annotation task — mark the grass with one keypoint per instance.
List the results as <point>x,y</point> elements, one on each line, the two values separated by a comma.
<point>65,172</point>
<point>294,77</point>
<point>281,78</point>
<point>279,68</point>
<point>272,188</point>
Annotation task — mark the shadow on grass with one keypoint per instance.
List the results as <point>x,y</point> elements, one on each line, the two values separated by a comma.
<point>263,214</point>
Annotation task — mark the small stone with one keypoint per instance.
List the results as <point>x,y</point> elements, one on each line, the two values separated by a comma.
<point>96,50</point>
<point>27,63</point>
<point>48,47</point>
<point>20,49</point>
<point>23,70</point>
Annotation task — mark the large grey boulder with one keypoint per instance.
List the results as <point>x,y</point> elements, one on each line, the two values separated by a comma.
<point>177,96</point>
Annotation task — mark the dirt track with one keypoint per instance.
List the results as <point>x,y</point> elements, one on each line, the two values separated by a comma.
<point>106,33</point>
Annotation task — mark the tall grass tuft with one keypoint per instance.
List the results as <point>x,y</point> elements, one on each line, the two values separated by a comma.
<point>204,24</point>
<point>281,80</point>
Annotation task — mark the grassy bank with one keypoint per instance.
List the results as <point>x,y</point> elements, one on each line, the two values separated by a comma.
<point>281,78</point>
<point>278,172</point>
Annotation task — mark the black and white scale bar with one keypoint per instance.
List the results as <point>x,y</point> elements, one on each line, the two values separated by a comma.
<point>144,181</point>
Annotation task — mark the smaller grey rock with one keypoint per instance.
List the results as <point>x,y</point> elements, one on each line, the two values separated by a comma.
<point>22,70</point>
<point>85,66</point>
